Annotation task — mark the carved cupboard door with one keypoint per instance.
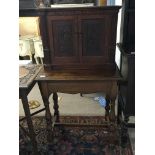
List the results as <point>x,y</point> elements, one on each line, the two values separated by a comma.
<point>63,39</point>
<point>94,32</point>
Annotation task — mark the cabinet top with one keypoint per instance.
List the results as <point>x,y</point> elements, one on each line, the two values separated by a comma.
<point>38,11</point>
<point>78,75</point>
<point>110,7</point>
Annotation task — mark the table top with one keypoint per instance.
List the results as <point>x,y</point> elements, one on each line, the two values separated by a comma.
<point>78,75</point>
<point>28,74</point>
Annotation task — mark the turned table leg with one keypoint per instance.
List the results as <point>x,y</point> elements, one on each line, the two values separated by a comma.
<point>56,106</point>
<point>29,122</point>
<point>107,108</point>
<point>119,110</point>
<point>111,97</point>
<point>45,96</point>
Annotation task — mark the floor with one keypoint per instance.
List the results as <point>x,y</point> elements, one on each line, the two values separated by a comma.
<point>70,104</point>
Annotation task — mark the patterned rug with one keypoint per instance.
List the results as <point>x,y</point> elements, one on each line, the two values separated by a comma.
<point>75,136</point>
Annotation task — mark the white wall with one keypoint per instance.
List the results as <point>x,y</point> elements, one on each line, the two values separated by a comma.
<point>117,57</point>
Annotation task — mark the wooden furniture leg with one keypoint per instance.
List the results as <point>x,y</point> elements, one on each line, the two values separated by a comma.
<point>119,111</point>
<point>45,97</point>
<point>107,108</point>
<point>56,106</point>
<point>29,122</point>
<point>111,97</point>
<point>124,131</point>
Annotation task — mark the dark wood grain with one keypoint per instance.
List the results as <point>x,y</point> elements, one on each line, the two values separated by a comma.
<point>45,97</point>
<point>84,81</point>
<point>78,75</point>
<point>56,106</point>
<point>23,96</point>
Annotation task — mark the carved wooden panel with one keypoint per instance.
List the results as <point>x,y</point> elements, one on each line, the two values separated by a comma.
<point>93,36</point>
<point>63,38</point>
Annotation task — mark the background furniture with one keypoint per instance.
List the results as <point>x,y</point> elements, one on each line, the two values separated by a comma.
<point>32,47</point>
<point>127,31</point>
<point>26,47</point>
<point>39,53</point>
<point>126,99</point>
<point>26,83</point>
<point>127,86</point>
<point>30,43</point>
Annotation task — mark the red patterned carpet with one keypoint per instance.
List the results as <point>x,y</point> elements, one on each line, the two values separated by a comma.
<point>76,136</point>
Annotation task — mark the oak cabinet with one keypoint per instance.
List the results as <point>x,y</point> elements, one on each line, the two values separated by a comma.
<point>82,38</point>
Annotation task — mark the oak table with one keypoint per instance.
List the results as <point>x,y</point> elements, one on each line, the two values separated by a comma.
<point>26,83</point>
<point>77,81</point>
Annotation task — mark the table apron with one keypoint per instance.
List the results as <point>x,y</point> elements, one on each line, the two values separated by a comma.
<point>80,87</point>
